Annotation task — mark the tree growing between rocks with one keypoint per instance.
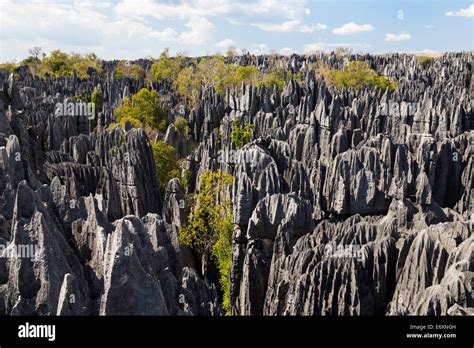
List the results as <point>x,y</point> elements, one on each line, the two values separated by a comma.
<point>208,230</point>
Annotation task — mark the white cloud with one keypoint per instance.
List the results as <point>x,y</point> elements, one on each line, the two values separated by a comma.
<point>200,31</point>
<point>397,37</point>
<point>226,43</point>
<point>353,28</point>
<point>325,46</point>
<point>294,25</point>
<point>167,35</point>
<point>261,49</point>
<point>286,51</point>
<point>464,12</point>
<point>429,26</point>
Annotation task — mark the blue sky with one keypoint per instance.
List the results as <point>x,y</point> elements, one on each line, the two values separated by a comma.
<point>130,29</point>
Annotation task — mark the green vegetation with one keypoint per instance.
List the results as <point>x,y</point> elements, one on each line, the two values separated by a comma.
<point>241,135</point>
<point>357,75</point>
<point>166,162</point>
<point>142,110</point>
<point>209,228</point>
<point>129,70</point>
<point>97,98</point>
<point>247,74</point>
<point>186,179</point>
<point>425,61</point>
<point>341,52</point>
<point>59,63</point>
<point>166,67</point>
<point>181,125</point>
<point>276,77</point>
<point>8,66</point>
<point>211,72</point>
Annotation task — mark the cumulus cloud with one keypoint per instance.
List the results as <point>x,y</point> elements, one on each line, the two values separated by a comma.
<point>397,37</point>
<point>226,43</point>
<point>260,49</point>
<point>291,26</point>
<point>286,51</point>
<point>200,31</point>
<point>353,28</point>
<point>327,46</point>
<point>464,12</point>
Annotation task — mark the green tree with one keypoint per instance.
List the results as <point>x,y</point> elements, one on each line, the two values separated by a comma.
<point>181,125</point>
<point>209,227</point>
<point>56,63</point>
<point>241,135</point>
<point>143,109</point>
<point>97,98</point>
<point>188,86</point>
<point>247,74</point>
<point>166,162</point>
<point>166,67</point>
<point>81,64</point>
<point>357,74</point>
<point>8,66</point>
<point>127,69</point>
<point>276,77</point>
<point>425,61</point>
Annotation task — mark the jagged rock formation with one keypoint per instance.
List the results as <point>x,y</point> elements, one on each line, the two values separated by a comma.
<point>346,202</point>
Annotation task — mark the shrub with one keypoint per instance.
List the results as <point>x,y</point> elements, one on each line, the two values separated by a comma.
<point>358,74</point>
<point>188,86</point>
<point>81,64</point>
<point>129,70</point>
<point>56,63</point>
<point>181,125</point>
<point>209,227</point>
<point>143,109</point>
<point>8,66</point>
<point>425,61</point>
<point>247,74</point>
<point>97,98</point>
<point>59,63</point>
<point>187,179</point>
<point>166,162</point>
<point>276,77</point>
<point>241,135</point>
<point>166,67</point>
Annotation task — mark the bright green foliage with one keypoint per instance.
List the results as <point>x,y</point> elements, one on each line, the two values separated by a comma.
<point>213,72</point>
<point>188,85</point>
<point>247,74</point>
<point>181,125</point>
<point>222,252</point>
<point>56,63</point>
<point>97,98</point>
<point>143,109</point>
<point>425,61</point>
<point>241,135</point>
<point>166,67</point>
<point>186,179</point>
<point>8,66</point>
<point>358,74</point>
<point>209,227</point>
<point>276,77</point>
<point>59,63</point>
<point>81,64</point>
<point>126,69</point>
<point>166,162</point>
